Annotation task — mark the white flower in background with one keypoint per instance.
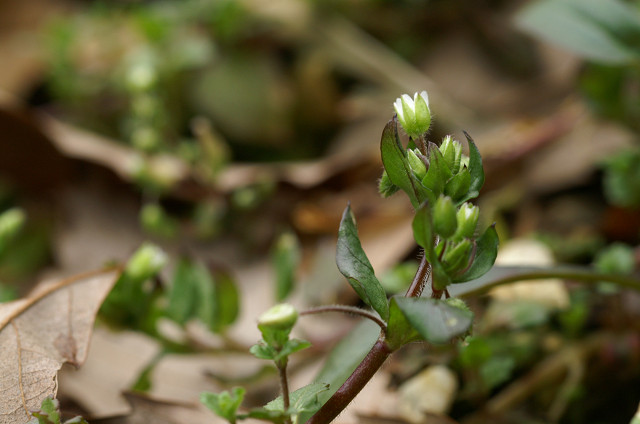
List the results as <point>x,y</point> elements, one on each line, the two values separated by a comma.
<point>414,114</point>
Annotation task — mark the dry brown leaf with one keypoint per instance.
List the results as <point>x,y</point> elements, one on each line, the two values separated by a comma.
<point>39,333</point>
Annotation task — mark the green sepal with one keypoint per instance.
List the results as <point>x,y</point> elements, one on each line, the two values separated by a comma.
<point>458,186</point>
<point>432,320</point>
<point>438,173</point>
<point>353,263</point>
<point>485,257</point>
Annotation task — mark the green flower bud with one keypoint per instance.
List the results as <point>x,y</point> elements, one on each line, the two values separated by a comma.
<point>452,153</point>
<point>417,165</point>
<point>147,261</point>
<point>444,217</point>
<point>414,114</point>
<point>11,222</point>
<point>467,218</point>
<point>456,257</point>
<point>385,187</point>
<point>276,324</point>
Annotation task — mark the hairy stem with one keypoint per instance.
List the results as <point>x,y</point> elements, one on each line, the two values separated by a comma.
<point>352,310</point>
<point>420,279</point>
<point>371,363</point>
<point>284,385</point>
<point>354,384</point>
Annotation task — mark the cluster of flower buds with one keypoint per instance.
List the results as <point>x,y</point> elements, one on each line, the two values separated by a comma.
<point>455,229</point>
<point>441,179</point>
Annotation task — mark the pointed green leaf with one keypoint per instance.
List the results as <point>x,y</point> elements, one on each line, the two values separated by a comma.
<point>434,320</point>
<point>396,164</point>
<point>475,169</point>
<point>304,400</point>
<point>224,404</point>
<point>228,300</point>
<point>285,257</point>
<point>423,230</point>
<point>183,294</point>
<point>292,346</point>
<point>262,350</point>
<point>486,252</point>
<point>399,330</point>
<point>355,266</point>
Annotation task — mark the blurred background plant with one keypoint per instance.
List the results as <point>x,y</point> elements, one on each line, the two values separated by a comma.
<point>214,126</point>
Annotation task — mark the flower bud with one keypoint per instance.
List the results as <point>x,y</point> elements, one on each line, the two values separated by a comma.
<point>467,218</point>
<point>452,153</point>
<point>276,324</point>
<point>444,217</point>
<point>417,165</point>
<point>414,114</point>
<point>147,261</point>
<point>456,257</point>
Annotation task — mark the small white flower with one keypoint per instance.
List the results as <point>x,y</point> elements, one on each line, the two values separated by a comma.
<point>414,114</point>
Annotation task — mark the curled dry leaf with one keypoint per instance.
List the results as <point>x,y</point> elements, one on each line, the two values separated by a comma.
<point>41,332</point>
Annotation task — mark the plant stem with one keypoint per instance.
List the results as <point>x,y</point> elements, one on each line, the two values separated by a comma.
<point>420,279</point>
<point>347,310</point>
<point>370,364</point>
<point>354,384</point>
<point>284,385</point>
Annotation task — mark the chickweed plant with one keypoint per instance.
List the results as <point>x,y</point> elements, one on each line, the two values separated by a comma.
<point>440,181</point>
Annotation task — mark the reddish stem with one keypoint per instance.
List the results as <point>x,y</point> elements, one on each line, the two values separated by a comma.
<point>354,384</point>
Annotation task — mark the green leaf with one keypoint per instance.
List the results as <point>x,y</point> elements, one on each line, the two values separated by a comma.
<point>344,358</point>
<point>601,30</point>
<point>292,346</point>
<point>263,414</point>
<point>303,400</point>
<point>285,257</point>
<point>396,164</point>
<point>355,266</point>
<point>262,350</point>
<point>206,309</point>
<point>486,252</point>
<point>434,320</point>
<point>195,293</point>
<point>228,299</point>
<point>224,404</point>
<point>423,230</point>
<point>183,294</point>
<point>399,330</point>
<point>475,169</point>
